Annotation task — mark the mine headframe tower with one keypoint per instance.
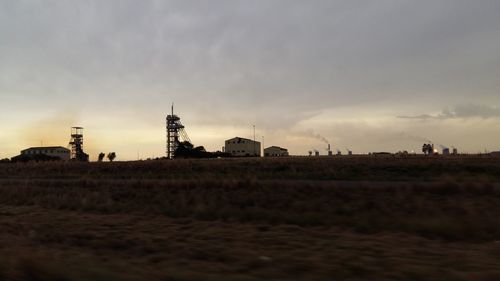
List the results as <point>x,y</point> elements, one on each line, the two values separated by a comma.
<point>76,143</point>
<point>175,134</point>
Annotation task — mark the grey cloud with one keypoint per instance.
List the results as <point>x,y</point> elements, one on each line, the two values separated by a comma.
<point>417,117</point>
<point>288,51</point>
<point>460,111</point>
<point>473,110</point>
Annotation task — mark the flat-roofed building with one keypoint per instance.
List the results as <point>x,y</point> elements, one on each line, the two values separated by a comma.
<point>242,147</point>
<point>495,153</point>
<point>52,151</point>
<point>275,151</point>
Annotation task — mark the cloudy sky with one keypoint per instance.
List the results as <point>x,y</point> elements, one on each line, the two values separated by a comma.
<point>381,75</point>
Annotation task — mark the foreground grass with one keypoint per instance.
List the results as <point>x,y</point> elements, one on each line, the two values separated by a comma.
<point>355,168</point>
<point>251,220</point>
<point>445,210</point>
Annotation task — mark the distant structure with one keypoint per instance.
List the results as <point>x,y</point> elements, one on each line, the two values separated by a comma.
<point>275,151</point>
<point>175,132</point>
<point>495,153</point>
<point>329,150</point>
<point>455,151</point>
<point>242,147</point>
<point>446,151</point>
<point>56,152</point>
<point>76,143</point>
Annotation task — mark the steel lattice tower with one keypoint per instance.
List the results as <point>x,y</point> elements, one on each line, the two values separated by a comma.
<point>76,144</point>
<point>175,132</point>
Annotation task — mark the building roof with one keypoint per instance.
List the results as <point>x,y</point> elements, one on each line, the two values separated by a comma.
<point>45,148</point>
<point>276,147</point>
<point>240,139</point>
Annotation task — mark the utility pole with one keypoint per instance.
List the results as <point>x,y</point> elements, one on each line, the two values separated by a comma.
<point>263,146</point>
<point>254,154</point>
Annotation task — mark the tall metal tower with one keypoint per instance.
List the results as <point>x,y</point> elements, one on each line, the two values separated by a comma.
<point>76,143</point>
<point>175,132</point>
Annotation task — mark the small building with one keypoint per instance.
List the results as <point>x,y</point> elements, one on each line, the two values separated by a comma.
<point>52,151</point>
<point>275,151</point>
<point>242,147</point>
<point>495,153</point>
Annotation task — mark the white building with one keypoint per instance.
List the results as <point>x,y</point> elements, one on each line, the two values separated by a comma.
<point>242,147</point>
<point>275,151</point>
<point>53,151</point>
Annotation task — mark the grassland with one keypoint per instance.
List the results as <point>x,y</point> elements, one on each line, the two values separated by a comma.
<point>348,218</point>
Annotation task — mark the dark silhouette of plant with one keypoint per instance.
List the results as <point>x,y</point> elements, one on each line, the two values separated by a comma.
<point>101,156</point>
<point>111,156</point>
<point>428,148</point>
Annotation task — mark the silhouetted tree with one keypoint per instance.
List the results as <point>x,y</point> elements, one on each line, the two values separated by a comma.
<point>111,156</point>
<point>186,149</point>
<point>101,156</point>
<point>428,148</point>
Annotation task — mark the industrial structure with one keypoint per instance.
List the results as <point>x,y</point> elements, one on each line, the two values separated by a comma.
<point>275,151</point>
<point>76,143</point>
<point>175,134</point>
<point>242,147</point>
<point>52,151</point>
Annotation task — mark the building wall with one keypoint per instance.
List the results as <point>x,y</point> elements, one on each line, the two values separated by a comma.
<point>242,147</point>
<point>275,151</point>
<point>60,152</point>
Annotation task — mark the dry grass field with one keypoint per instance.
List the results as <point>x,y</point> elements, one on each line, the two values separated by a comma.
<point>340,218</point>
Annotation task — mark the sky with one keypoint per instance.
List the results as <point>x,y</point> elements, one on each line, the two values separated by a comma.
<point>381,75</point>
